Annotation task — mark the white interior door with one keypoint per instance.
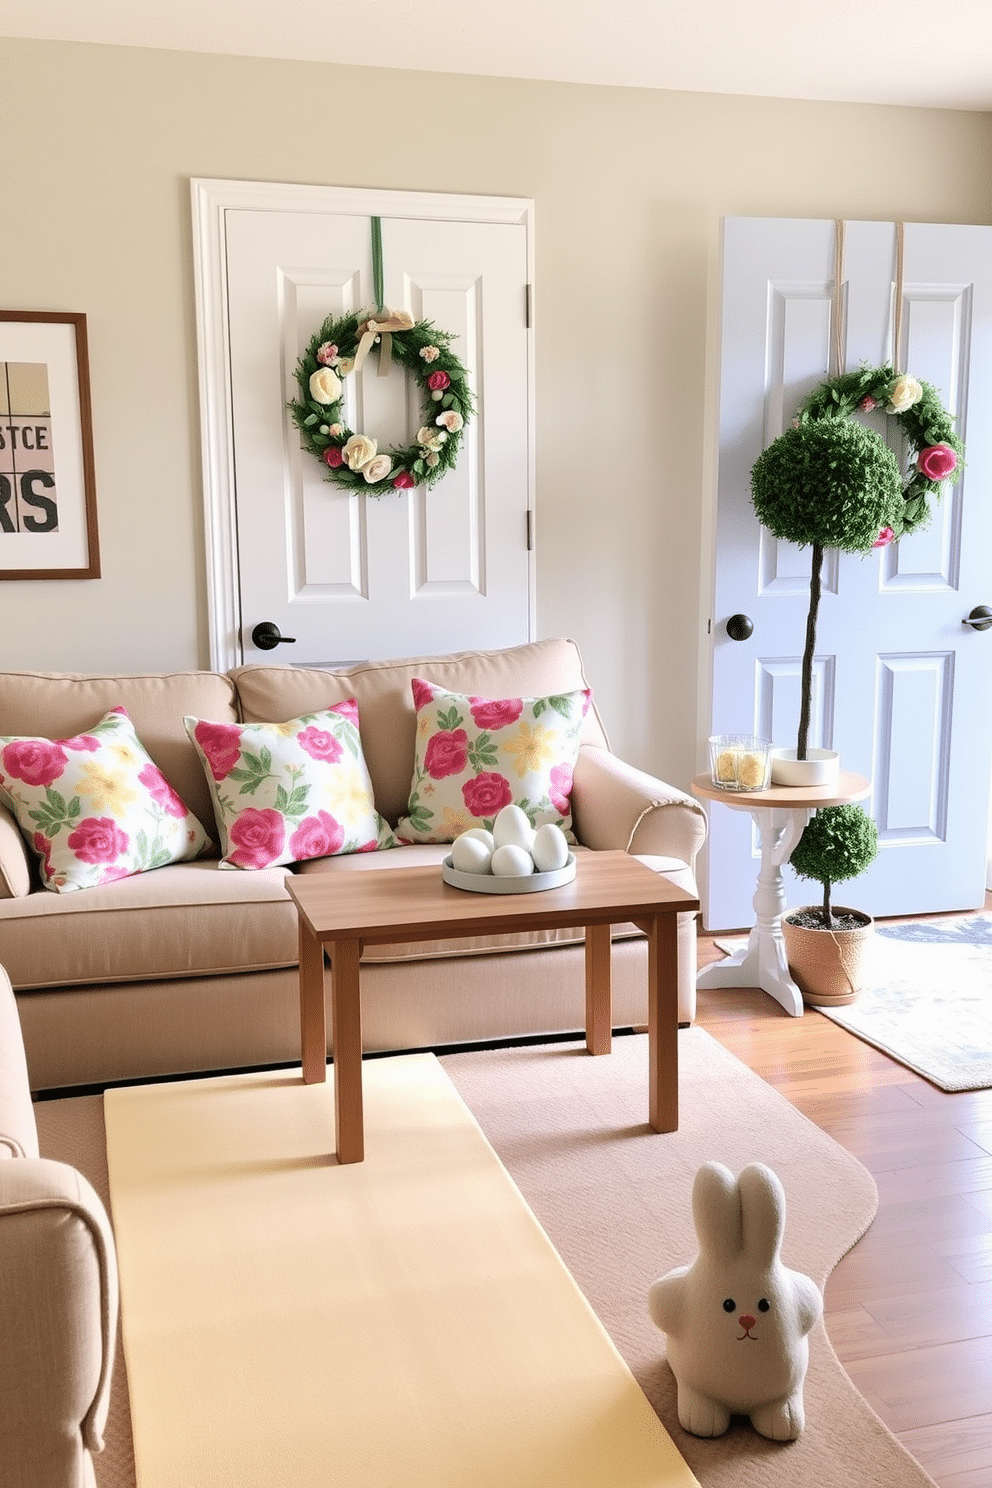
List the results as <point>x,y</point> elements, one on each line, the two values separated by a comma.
<point>354,576</point>
<point>901,686</point>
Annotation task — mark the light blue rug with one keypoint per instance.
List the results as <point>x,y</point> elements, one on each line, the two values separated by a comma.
<point>929,999</point>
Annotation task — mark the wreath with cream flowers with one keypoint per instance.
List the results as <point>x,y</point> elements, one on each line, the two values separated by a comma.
<point>353,460</point>
<point>935,450</point>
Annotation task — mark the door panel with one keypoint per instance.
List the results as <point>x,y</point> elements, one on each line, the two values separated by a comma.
<point>900,687</point>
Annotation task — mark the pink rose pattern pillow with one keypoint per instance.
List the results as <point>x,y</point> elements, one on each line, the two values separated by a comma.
<point>476,755</point>
<point>96,808</point>
<point>287,791</point>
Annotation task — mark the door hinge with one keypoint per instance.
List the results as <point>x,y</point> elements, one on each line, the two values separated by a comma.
<point>530,530</point>
<point>528,305</point>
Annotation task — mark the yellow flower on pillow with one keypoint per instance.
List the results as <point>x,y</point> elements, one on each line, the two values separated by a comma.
<point>105,787</point>
<point>348,794</point>
<point>532,748</point>
<point>456,822</point>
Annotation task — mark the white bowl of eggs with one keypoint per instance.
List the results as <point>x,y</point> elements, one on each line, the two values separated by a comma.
<point>514,858</point>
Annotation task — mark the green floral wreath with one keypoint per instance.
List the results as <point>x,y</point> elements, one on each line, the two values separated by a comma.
<point>354,461</point>
<point>935,451</point>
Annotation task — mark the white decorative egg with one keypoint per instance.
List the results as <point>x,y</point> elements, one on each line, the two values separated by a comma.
<point>512,827</point>
<point>470,855</point>
<point>511,861</point>
<point>482,835</point>
<point>550,849</point>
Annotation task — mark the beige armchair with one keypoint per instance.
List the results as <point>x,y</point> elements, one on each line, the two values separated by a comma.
<point>58,1295</point>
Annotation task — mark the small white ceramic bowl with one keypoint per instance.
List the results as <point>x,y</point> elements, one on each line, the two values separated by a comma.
<point>489,883</point>
<point>820,767</point>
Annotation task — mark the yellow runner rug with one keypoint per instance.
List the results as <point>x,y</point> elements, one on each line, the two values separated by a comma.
<point>398,1323</point>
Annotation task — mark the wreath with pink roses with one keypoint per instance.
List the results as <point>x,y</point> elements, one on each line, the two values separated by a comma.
<point>935,451</point>
<point>353,460</point>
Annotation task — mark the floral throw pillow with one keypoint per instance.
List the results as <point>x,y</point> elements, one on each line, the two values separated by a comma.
<point>476,755</point>
<point>96,808</point>
<point>283,792</point>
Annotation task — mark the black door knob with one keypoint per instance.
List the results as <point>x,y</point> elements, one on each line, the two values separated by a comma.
<point>267,636</point>
<point>739,627</point>
<point>980,618</point>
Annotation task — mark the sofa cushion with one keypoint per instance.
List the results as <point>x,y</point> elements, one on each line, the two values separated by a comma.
<point>284,792</point>
<point>385,699</point>
<point>475,755</point>
<point>57,705</point>
<point>96,807</point>
<point>185,920</point>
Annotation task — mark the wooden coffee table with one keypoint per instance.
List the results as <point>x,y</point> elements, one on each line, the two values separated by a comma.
<point>342,912</point>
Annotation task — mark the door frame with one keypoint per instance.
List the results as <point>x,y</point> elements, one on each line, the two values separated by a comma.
<point>211,201</point>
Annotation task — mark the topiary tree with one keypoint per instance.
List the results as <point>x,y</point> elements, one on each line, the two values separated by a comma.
<point>828,483</point>
<point>838,843</point>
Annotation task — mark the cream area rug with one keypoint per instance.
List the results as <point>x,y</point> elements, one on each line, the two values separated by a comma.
<point>930,1002</point>
<point>928,999</point>
<point>398,1323</point>
<point>613,1197</point>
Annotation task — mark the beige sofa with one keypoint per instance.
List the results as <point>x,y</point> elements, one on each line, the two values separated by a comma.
<point>188,968</point>
<point>58,1296</point>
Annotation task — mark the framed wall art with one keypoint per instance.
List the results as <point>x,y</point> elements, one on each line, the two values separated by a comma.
<point>48,526</point>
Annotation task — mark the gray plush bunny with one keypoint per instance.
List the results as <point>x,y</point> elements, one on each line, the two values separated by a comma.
<point>736,1319</point>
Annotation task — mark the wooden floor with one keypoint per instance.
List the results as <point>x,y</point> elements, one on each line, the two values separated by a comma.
<point>909,1309</point>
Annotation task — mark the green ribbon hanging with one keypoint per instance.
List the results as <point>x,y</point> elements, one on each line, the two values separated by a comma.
<point>380,303</point>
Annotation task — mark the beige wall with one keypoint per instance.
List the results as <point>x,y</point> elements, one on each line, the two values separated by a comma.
<point>629,185</point>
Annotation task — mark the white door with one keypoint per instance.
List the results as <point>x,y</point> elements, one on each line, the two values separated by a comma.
<point>901,686</point>
<point>349,576</point>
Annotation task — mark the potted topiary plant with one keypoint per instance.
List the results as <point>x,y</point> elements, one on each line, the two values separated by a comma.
<point>827,948</point>
<point>831,482</point>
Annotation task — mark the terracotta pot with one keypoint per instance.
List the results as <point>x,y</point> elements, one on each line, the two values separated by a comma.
<point>829,966</point>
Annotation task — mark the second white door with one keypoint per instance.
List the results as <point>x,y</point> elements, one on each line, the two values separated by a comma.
<point>901,686</point>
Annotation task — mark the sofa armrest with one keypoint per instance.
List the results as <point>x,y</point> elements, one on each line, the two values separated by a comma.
<point>15,865</point>
<point>58,1323</point>
<point>617,806</point>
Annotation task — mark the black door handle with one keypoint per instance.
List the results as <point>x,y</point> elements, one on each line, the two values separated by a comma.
<point>739,627</point>
<point>980,618</point>
<point>267,636</point>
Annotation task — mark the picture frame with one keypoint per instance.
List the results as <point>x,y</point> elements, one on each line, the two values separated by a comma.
<point>48,512</point>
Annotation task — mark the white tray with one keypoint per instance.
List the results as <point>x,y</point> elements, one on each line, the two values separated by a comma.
<point>494,883</point>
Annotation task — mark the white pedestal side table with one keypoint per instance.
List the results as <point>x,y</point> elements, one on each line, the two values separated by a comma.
<point>780,814</point>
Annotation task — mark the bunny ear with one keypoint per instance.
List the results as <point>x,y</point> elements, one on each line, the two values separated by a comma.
<point>762,1200</point>
<point>716,1210</point>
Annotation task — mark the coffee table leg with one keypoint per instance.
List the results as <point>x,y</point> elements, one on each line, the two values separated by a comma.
<point>663,1022</point>
<point>313,1020</point>
<point>599,996</point>
<point>347,1029</point>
